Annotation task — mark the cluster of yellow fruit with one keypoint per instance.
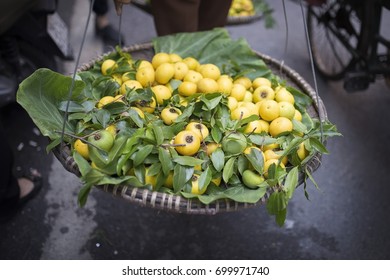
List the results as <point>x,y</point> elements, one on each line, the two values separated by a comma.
<point>273,106</point>
<point>241,8</point>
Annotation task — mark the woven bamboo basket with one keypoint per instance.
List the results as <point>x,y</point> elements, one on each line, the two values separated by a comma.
<point>177,203</point>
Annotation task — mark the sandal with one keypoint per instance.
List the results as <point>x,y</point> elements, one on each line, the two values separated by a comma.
<point>35,177</point>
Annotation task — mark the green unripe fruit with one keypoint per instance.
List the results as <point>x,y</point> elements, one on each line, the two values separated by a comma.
<point>252,179</point>
<point>234,143</point>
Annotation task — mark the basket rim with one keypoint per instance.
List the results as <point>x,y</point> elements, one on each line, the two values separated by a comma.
<point>178,203</point>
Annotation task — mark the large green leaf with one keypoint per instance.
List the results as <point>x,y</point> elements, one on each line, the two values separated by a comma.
<point>41,95</point>
<point>215,47</point>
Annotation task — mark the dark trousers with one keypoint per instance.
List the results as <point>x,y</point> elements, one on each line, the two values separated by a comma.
<point>9,187</point>
<point>173,16</point>
<point>100,7</point>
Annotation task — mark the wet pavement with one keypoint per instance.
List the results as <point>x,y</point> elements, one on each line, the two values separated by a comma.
<point>346,219</point>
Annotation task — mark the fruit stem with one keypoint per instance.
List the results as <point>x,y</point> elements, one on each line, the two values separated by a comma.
<point>172,145</point>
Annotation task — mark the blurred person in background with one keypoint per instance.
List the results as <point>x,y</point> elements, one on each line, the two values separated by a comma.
<point>14,192</point>
<point>174,16</point>
<point>103,28</point>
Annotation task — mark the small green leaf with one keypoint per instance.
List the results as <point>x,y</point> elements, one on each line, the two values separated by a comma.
<point>158,133</point>
<point>181,175</point>
<point>205,179</point>
<point>218,159</point>
<point>316,144</point>
<point>210,104</point>
<point>256,159</point>
<point>83,194</point>
<point>187,160</point>
<point>291,182</point>
<point>280,217</point>
<point>102,117</point>
<point>82,164</point>
<point>299,126</point>
<point>135,117</point>
<point>276,203</point>
<point>165,159</point>
<point>141,154</point>
<point>228,169</point>
<point>216,134</point>
<point>53,144</point>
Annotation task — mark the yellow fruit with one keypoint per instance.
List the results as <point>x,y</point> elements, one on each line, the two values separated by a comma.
<point>139,111</point>
<point>82,148</point>
<point>164,73</point>
<point>254,127</point>
<point>248,97</point>
<point>270,154</point>
<point>245,81</point>
<point>130,85</point>
<point>263,93</point>
<point>286,109</point>
<point>119,98</point>
<point>282,94</point>
<point>251,107</point>
<point>169,181</point>
<point>108,66</point>
<point>207,85</point>
<point>117,78</point>
<point>191,62</point>
<point>187,143</point>
<point>225,84</point>
<point>192,76</point>
<point>126,76</point>
<point>150,180</point>
<point>217,181</point>
<point>112,129</point>
<point>261,81</point>
<point>175,57</point>
<point>264,125</point>
<point>302,152</point>
<point>211,147</point>
<point>270,146</point>
<point>195,185</point>
<point>210,71</point>
<point>145,76</point>
<point>181,69</point>
<point>170,114</point>
<point>232,103</point>
<point>268,163</point>
<point>238,92</point>
<point>147,106</point>
<point>187,88</point>
<point>199,129</point>
<point>240,113</point>
<point>145,63</point>
<point>248,150</point>
<point>105,100</point>
<point>297,115</point>
<point>162,93</point>
<point>280,125</point>
<point>269,110</point>
<point>160,58</point>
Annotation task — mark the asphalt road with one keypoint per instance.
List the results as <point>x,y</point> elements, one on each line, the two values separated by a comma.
<point>346,219</point>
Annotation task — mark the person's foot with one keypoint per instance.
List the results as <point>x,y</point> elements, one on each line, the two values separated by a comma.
<point>29,185</point>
